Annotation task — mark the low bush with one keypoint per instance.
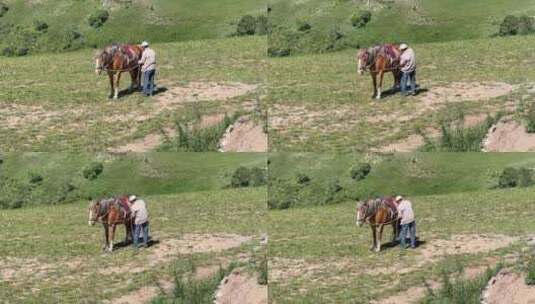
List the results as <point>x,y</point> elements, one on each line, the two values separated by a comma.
<point>530,119</point>
<point>92,170</point>
<point>515,177</point>
<point>40,26</point>
<point>98,18</point>
<point>248,177</point>
<point>360,19</point>
<point>458,138</point>
<point>513,25</point>
<point>250,25</point>
<point>195,139</point>
<point>467,291</point>
<point>360,171</point>
<point>530,271</point>
<point>3,9</point>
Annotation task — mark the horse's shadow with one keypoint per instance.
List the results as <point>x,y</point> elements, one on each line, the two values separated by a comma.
<point>396,243</point>
<point>128,92</point>
<point>124,243</point>
<point>394,91</point>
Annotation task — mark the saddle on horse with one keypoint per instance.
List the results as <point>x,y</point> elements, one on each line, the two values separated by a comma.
<point>390,204</point>
<point>124,203</point>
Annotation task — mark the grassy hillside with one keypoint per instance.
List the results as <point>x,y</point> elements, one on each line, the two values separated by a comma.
<point>52,178</point>
<point>60,259</point>
<point>319,103</point>
<point>129,21</point>
<point>329,25</point>
<point>318,255</point>
<point>417,174</point>
<point>54,102</point>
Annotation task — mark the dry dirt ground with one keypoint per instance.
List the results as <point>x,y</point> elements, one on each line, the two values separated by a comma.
<point>13,269</point>
<point>241,287</point>
<point>245,135</point>
<point>508,287</point>
<point>508,136</point>
<point>434,250</point>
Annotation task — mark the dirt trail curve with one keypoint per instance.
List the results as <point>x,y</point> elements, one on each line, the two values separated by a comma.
<point>241,287</point>
<point>245,135</point>
<point>508,136</point>
<point>508,287</point>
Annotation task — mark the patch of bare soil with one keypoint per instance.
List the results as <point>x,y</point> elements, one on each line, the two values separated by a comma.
<point>203,91</point>
<point>465,244</point>
<point>508,136</point>
<point>410,296</point>
<point>409,144</point>
<point>339,117</point>
<point>241,287</point>
<point>169,249</point>
<point>13,268</point>
<point>144,294</point>
<point>508,287</point>
<point>145,144</point>
<point>245,135</point>
<point>465,91</point>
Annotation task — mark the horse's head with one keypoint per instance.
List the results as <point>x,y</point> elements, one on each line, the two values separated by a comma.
<point>363,58</point>
<point>94,212</point>
<point>362,211</point>
<point>102,60</point>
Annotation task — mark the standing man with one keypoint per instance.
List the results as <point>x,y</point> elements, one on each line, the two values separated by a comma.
<point>407,64</point>
<point>408,223</point>
<point>141,220</point>
<point>148,68</point>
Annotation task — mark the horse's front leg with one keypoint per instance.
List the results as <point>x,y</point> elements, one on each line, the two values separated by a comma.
<point>374,239</point>
<point>380,87</point>
<point>134,84</point>
<point>379,238</point>
<point>374,80</point>
<point>394,231</point>
<point>111,76</point>
<point>116,85</point>
<point>111,236</point>
<point>105,237</point>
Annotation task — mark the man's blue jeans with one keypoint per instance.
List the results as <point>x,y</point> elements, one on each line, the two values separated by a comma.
<point>406,77</point>
<point>148,82</point>
<point>137,230</point>
<point>411,229</point>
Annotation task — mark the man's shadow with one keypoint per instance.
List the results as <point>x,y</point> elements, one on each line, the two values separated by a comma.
<point>128,92</point>
<point>396,243</point>
<point>393,91</point>
<point>124,244</point>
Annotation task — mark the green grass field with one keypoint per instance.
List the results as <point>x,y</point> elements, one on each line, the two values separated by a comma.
<point>53,255</point>
<point>391,21</point>
<point>319,103</point>
<point>318,255</point>
<point>55,102</point>
<point>129,21</point>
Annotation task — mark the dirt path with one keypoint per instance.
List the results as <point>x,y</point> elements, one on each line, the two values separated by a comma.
<point>508,287</point>
<point>465,91</point>
<point>241,287</point>
<point>245,135</point>
<point>508,136</point>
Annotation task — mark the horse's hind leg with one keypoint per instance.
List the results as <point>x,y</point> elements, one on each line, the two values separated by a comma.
<point>374,80</point>
<point>105,238</point>
<point>112,237</point>
<point>110,76</point>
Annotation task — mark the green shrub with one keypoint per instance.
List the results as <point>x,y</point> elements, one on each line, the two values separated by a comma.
<point>3,9</point>
<point>262,25</point>
<point>40,26</point>
<point>360,171</point>
<point>513,25</point>
<point>35,178</point>
<point>245,177</point>
<point>513,177</point>
<point>92,170</point>
<point>530,272</point>
<point>303,26</point>
<point>530,119</point>
<point>360,19</point>
<point>303,179</point>
<point>23,51</point>
<point>467,291</point>
<point>8,51</point>
<point>246,26</point>
<point>98,18</point>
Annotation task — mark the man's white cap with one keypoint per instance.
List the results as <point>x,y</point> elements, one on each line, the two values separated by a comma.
<point>144,44</point>
<point>398,198</point>
<point>132,198</point>
<point>403,46</point>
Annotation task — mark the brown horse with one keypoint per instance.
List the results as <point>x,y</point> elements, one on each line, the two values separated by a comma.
<point>111,212</point>
<point>379,60</point>
<point>117,59</point>
<point>378,213</point>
